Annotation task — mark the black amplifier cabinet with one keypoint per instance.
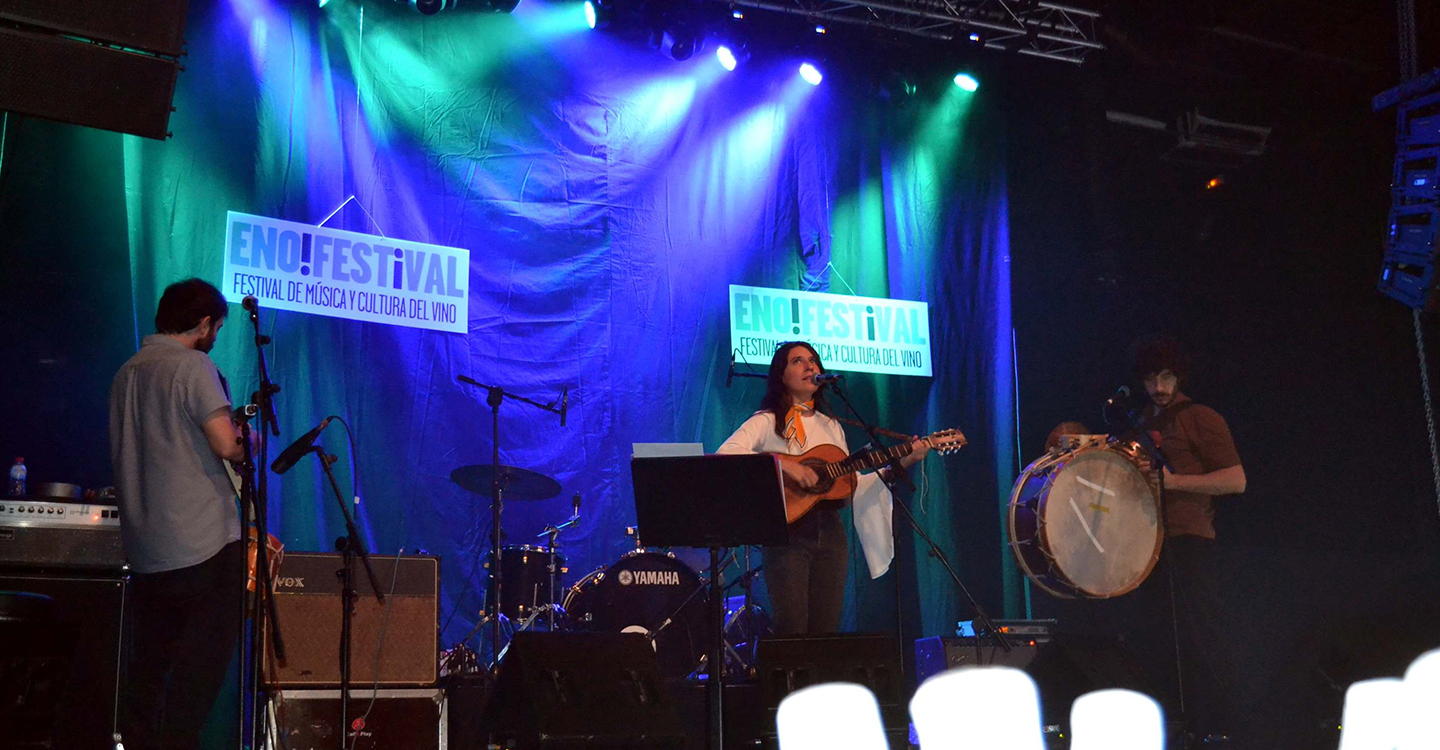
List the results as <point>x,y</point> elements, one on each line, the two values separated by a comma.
<point>75,649</point>
<point>59,536</point>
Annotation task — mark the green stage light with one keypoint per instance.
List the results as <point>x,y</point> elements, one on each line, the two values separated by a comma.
<point>967,82</point>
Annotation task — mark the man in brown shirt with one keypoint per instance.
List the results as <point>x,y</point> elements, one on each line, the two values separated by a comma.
<point>1197,442</point>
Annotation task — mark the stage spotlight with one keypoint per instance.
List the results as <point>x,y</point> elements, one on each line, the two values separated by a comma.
<point>737,14</point>
<point>598,13</point>
<point>967,82</point>
<point>819,29</point>
<point>430,7</point>
<point>811,74</point>
<point>974,37</point>
<point>682,42</point>
<point>726,57</point>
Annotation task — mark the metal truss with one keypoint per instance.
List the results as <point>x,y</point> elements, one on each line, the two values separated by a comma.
<point>1027,27</point>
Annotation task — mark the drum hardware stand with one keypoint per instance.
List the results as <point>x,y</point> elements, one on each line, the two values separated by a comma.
<point>742,665</point>
<point>898,473</point>
<point>254,494</point>
<point>554,569</point>
<point>495,396</point>
<point>350,547</point>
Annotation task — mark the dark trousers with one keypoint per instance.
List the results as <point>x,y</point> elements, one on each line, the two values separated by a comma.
<point>186,627</point>
<point>806,578</point>
<point>1202,629</point>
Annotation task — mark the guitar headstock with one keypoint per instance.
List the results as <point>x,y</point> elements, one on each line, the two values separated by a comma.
<point>946,442</point>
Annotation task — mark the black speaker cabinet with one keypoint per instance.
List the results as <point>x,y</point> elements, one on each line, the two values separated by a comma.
<point>590,691</point>
<point>1063,668</point>
<point>789,664</point>
<point>68,664</point>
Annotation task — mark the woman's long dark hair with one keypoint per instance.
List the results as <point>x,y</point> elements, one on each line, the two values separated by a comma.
<point>777,399</point>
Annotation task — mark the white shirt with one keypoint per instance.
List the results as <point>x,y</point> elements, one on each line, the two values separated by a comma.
<point>871,504</point>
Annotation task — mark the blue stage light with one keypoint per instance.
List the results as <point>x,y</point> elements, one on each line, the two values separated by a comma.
<point>974,37</point>
<point>726,57</point>
<point>967,82</point>
<point>737,14</point>
<point>590,16</point>
<point>811,74</point>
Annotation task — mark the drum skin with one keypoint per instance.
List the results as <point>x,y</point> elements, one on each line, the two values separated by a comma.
<point>1085,523</point>
<point>637,595</point>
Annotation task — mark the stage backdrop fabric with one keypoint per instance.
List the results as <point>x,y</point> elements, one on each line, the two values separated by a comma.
<point>607,195</point>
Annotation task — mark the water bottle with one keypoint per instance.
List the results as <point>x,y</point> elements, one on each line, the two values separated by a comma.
<point>16,487</point>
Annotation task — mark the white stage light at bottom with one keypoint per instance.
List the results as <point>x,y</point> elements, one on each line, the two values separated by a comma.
<point>1116,720</point>
<point>832,716</point>
<point>1372,713</point>
<point>978,707</point>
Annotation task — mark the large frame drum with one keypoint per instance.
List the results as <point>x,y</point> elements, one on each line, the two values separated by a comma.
<point>1085,523</point>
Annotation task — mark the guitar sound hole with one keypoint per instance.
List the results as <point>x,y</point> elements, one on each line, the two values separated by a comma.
<point>825,482</point>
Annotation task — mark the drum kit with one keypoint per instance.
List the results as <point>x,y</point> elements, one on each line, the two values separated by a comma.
<point>647,591</point>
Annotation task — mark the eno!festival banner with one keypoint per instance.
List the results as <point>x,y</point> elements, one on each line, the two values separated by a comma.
<point>310,269</point>
<point>855,334</point>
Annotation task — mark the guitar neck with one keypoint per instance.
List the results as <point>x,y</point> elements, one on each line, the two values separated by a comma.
<point>868,460</point>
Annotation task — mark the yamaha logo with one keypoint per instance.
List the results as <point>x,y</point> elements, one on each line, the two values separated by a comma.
<point>649,578</point>
<point>290,583</point>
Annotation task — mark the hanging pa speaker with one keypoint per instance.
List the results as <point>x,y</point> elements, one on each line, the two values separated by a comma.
<point>582,691</point>
<point>307,605</point>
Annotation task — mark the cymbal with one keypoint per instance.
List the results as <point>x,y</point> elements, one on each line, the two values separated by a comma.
<point>516,483</point>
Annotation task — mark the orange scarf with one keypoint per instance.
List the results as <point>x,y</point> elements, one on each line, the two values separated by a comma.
<point>794,427</point>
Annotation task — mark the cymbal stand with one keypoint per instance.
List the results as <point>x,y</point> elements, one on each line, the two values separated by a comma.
<point>553,532</point>
<point>495,396</point>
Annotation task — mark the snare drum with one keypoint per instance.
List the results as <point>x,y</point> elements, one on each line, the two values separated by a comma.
<point>526,586</point>
<point>637,595</point>
<point>1085,523</point>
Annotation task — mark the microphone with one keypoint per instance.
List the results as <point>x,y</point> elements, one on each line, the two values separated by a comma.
<point>729,376</point>
<point>250,303</point>
<point>575,501</point>
<point>565,407</point>
<point>1117,408</point>
<point>297,450</point>
<point>826,377</point>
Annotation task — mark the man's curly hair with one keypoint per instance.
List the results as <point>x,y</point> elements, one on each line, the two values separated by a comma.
<point>1156,352</point>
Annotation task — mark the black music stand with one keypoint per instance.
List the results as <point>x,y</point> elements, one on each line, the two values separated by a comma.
<point>714,502</point>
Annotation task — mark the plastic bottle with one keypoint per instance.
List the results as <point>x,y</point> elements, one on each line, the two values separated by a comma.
<point>16,486</point>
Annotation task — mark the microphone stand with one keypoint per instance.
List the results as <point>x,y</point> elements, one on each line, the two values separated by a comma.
<point>350,546</point>
<point>495,396</point>
<point>263,603</point>
<point>898,473</point>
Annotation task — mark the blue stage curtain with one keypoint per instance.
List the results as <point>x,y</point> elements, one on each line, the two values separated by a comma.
<point>607,196</point>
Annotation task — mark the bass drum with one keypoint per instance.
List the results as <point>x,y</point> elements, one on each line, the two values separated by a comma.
<point>1085,523</point>
<point>637,595</point>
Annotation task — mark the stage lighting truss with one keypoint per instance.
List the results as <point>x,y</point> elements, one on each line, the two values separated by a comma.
<point>1039,29</point>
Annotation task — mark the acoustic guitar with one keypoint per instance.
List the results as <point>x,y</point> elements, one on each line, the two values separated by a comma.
<point>837,471</point>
